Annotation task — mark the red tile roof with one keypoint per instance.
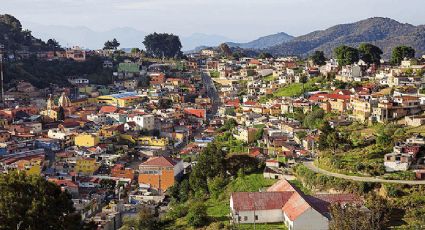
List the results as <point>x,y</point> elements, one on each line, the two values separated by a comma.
<point>161,161</point>
<point>108,109</point>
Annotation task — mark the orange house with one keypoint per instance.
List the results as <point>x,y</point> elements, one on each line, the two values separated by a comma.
<point>120,172</point>
<point>160,173</point>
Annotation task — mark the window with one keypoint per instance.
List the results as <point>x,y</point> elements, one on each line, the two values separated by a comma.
<point>245,218</point>
<point>256,217</point>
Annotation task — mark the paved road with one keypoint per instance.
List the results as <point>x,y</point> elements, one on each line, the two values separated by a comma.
<point>211,92</point>
<point>314,168</point>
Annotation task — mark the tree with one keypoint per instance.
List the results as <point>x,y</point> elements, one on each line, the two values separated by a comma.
<point>115,44</point>
<point>401,52</point>
<point>318,58</point>
<point>163,45</point>
<point>34,203</point>
<point>225,49</point>
<point>165,103</point>
<point>135,50</point>
<point>265,55</point>
<point>107,45</point>
<point>332,140</point>
<point>314,119</point>
<point>355,217</point>
<point>108,184</point>
<point>346,55</point>
<point>11,21</point>
<point>211,163</point>
<point>370,54</point>
<point>197,215</point>
<point>53,44</point>
<point>145,220</point>
<point>303,80</point>
<point>111,45</point>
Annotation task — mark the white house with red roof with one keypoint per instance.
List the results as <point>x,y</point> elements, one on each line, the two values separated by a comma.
<point>284,203</point>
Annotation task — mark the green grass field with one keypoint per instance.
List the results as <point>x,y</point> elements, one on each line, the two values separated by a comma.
<point>296,89</point>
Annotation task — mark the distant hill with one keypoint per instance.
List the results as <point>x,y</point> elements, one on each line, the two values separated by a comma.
<point>127,36</point>
<point>264,42</point>
<point>383,32</point>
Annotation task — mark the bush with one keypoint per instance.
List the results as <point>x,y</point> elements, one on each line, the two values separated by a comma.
<point>197,215</point>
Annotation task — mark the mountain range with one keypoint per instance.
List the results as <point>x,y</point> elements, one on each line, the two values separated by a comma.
<point>385,33</point>
<point>127,36</point>
<point>264,42</point>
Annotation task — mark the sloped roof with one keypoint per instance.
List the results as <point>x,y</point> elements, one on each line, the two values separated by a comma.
<point>248,201</point>
<point>161,161</point>
<point>282,186</point>
<point>295,206</point>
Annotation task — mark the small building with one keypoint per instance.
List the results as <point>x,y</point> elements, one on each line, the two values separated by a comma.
<point>160,173</point>
<point>86,140</point>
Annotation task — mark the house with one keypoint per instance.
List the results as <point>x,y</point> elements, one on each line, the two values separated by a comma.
<point>282,202</point>
<point>349,73</point>
<point>76,54</point>
<point>397,162</point>
<point>125,99</point>
<point>415,121</point>
<point>120,171</point>
<point>86,166</point>
<point>160,173</point>
<point>86,140</point>
<point>143,122</point>
<point>246,135</point>
<point>361,108</point>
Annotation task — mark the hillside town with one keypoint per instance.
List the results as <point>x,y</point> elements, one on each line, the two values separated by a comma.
<point>229,136</point>
<point>121,147</point>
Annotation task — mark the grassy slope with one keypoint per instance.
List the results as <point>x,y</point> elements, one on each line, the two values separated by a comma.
<point>295,89</point>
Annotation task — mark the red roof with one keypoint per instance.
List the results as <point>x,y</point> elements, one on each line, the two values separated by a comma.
<point>247,201</point>
<point>295,206</point>
<point>233,103</point>
<point>250,103</point>
<point>200,113</point>
<point>108,109</point>
<point>282,186</point>
<point>323,96</point>
<point>161,161</point>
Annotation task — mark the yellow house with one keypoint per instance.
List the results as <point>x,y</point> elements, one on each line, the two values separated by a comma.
<point>153,141</point>
<point>86,140</point>
<point>362,109</point>
<point>120,99</point>
<point>109,131</point>
<point>86,166</point>
<point>31,167</point>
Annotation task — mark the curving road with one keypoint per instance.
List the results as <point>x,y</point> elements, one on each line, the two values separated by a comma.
<point>316,169</point>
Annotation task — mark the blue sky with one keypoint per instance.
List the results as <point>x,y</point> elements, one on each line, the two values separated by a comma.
<point>241,20</point>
